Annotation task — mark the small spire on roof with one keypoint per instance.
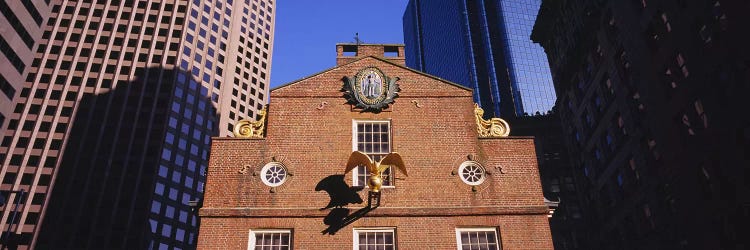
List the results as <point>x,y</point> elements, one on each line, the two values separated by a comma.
<point>356,38</point>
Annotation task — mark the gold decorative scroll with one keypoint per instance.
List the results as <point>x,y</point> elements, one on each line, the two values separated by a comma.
<point>252,129</point>
<point>494,127</point>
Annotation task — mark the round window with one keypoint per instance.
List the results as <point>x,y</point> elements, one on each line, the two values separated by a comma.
<point>471,173</point>
<point>273,174</point>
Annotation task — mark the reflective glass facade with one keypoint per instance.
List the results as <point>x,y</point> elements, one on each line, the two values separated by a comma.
<point>454,54</point>
<point>483,45</point>
<point>527,63</point>
<point>182,165</point>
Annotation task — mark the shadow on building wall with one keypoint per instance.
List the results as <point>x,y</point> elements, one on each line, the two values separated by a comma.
<point>105,185</point>
<point>341,195</point>
<point>556,173</point>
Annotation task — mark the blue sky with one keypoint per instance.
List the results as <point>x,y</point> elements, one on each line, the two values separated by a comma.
<point>307,32</point>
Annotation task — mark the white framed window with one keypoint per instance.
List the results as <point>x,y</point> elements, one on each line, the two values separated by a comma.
<point>478,238</point>
<point>374,239</point>
<point>270,239</point>
<point>472,173</point>
<point>372,137</point>
<point>273,174</point>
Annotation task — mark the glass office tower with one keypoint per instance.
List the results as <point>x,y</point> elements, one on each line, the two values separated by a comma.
<point>484,45</point>
<point>110,134</point>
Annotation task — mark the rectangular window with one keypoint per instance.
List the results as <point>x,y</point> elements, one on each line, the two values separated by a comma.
<point>682,64</point>
<point>375,238</point>
<point>9,53</point>
<point>270,239</point>
<point>477,238</point>
<point>698,110</point>
<point>14,22</point>
<point>374,139</point>
<point>7,88</point>
<point>2,120</point>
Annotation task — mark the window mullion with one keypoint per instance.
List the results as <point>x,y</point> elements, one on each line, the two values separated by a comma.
<point>373,139</point>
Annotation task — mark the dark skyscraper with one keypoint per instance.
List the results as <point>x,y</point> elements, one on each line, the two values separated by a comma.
<point>112,185</point>
<point>655,97</point>
<point>483,45</point>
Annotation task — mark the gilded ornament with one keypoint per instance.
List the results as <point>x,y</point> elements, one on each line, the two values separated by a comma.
<point>375,169</point>
<point>494,127</point>
<point>252,129</point>
<point>370,90</point>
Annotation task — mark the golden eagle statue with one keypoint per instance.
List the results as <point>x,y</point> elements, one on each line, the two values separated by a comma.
<point>375,169</point>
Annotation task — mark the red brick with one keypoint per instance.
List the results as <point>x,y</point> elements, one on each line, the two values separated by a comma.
<point>433,137</point>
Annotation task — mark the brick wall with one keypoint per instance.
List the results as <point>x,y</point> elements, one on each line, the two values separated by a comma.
<point>365,50</point>
<point>515,231</point>
<point>309,129</point>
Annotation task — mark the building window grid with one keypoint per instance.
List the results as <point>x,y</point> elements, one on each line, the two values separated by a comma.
<point>97,84</point>
<point>373,139</point>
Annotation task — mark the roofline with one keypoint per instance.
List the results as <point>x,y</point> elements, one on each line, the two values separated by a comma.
<point>305,78</point>
<point>386,44</point>
<point>379,59</point>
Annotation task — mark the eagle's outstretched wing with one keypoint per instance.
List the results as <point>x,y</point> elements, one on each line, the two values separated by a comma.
<point>393,159</point>
<point>356,159</point>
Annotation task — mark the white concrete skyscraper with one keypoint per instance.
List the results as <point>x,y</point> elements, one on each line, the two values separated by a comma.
<point>21,24</point>
<point>109,135</point>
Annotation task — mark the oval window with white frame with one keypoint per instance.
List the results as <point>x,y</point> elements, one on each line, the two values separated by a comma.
<point>273,174</point>
<point>472,173</point>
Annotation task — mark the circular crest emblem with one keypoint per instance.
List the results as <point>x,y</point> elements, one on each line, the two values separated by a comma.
<point>370,89</point>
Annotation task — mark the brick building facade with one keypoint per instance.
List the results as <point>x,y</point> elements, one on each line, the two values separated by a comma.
<point>310,132</point>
